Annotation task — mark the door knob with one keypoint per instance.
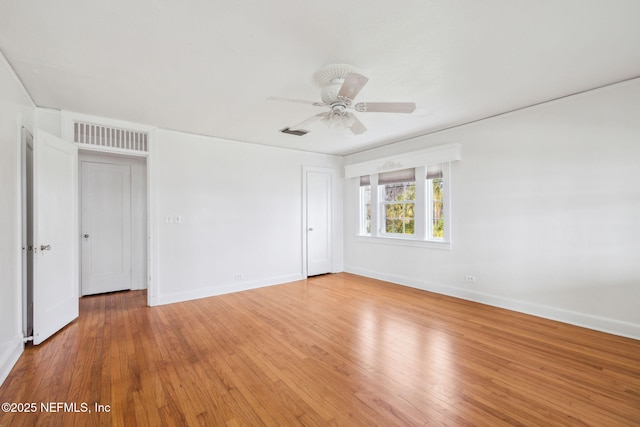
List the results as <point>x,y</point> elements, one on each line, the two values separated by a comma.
<point>45,247</point>
<point>310,228</point>
<point>86,236</point>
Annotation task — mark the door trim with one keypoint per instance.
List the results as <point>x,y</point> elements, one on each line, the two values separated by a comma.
<point>152,210</point>
<point>139,214</point>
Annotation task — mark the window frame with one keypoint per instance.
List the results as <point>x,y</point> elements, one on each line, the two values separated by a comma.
<point>423,213</point>
<point>382,206</point>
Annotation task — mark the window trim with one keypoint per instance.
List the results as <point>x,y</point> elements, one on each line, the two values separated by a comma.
<point>400,241</point>
<point>422,214</point>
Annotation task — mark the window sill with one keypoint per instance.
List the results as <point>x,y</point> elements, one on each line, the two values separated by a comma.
<point>399,241</point>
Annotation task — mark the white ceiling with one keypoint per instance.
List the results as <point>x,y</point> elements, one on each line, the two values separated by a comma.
<point>207,67</point>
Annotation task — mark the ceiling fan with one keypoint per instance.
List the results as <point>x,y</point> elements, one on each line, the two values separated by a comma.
<point>340,85</point>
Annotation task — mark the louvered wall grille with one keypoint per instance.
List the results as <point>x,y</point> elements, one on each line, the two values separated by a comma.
<point>110,137</point>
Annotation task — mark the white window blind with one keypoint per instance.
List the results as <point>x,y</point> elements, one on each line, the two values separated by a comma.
<point>434,171</point>
<point>404,175</point>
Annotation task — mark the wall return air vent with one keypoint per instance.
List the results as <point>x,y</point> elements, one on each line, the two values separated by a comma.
<point>110,137</point>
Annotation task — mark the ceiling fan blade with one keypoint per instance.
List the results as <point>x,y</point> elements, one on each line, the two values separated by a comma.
<point>357,127</point>
<point>309,121</point>
<point>297,101</point>
<point>353,84</point>
<point>385,107</point>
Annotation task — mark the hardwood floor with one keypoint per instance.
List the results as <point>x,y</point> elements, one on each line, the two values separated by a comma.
<point>332,350</point>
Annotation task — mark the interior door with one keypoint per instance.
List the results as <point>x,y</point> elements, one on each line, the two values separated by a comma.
<point>55,235</point>
<point>106,227</point>
<point>318,201</point>
<point>27,233</point>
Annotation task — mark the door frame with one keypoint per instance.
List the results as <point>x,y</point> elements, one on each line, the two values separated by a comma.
<point>305,226</point>
<point>68,118</point>
<point>136,215</point>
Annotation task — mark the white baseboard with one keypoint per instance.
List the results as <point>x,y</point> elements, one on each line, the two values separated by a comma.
<point>9,358</point>
<point>603,324</point>
<point>221,289</point>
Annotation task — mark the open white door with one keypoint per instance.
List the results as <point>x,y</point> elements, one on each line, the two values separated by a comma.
<point>318,209</point>
<point>55,223</point>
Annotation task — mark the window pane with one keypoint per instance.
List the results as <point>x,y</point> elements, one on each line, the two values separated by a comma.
<point>437,189</point>
<point>408,210</point>
<point>392,192</point>
<point>366,194</point>
<point>438,220</point>
<point>410,191</point>
<point>400,191</point>
<point>408,226</point>
<point>394,226</point>
<point>394,210</point>
<point>399,218</point>
<point>365,209</point>
<point>388,226</point>
<point>438,228</point>
<point>367,220</point>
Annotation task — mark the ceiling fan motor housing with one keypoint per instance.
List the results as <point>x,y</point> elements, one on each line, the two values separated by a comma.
<point>329,93</point>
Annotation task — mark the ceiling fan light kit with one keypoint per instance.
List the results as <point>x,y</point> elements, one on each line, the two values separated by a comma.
<point>340,85</point>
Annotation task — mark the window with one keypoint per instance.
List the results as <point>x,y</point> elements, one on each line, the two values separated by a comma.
<point>435,202</point>
<point>397,195</point>
<point>365,205</point>
<point>408,204</point>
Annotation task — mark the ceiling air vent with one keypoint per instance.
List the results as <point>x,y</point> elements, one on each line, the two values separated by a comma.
<point>297,132</point>
<point>110,137</point>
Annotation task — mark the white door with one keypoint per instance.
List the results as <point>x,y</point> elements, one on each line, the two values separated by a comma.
<point>55,235</point>
<point>318,209</point>
<point>27,233</point>
<point>106,227</point>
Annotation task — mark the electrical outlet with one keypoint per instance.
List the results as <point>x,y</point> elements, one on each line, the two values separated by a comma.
<point>238,276</point>
<point>169,219</point>
<point>178,219</point>
<point>470,278</point>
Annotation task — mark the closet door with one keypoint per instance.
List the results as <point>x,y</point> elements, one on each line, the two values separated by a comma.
<point>318,209</point>
<point>106,227</point>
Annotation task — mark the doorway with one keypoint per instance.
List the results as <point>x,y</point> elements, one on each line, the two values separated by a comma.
<point>317,208</point>
<point>51,241</point>
<point>113,222</point>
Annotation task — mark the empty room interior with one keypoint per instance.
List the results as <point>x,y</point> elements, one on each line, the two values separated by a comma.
<point>336,213</point>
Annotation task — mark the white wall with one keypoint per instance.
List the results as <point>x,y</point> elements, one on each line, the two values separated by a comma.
<point>49,120</point>
<point>16,110</point>
<point>241,215</point>
<point>546,213</point>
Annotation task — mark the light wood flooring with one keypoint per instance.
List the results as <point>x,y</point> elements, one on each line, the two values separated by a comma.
<point>332,350</point>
